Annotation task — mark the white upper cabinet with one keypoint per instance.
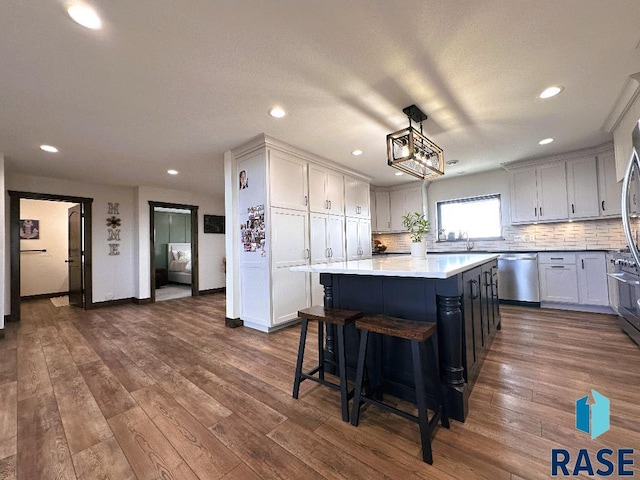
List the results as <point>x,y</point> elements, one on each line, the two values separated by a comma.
<point>609,188</point>
<point>287,181</point>
<point>539,193</point>
<point>356,196</point>
<point>327,238</point>
<point>403,202</point>
<point>552,198</point>
<point>358,238</point>
<point>383,212</point>
<point>326,190</point>
<point>582,187</point>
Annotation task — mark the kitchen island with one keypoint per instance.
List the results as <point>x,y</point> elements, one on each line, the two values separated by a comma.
<point>457,291</point>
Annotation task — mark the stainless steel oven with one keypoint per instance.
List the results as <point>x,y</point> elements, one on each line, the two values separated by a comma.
<point>626,274</point>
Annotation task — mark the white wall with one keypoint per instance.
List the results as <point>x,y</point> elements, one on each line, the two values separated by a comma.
<point>211,247</point>
<point>113,276</point>
<point>45,272</point>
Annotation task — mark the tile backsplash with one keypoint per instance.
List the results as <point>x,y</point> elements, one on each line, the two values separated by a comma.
<point>590,235</point>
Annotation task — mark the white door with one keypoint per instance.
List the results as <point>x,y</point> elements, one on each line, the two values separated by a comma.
<point>582,187</point>
<point>290,292</point>
<point>524,197</point>
<point>592,278</point>
<point>383,212</point>
<point>289,245</point>
<point>396,202</point>
<point>353,247</point>
<point>350,196</point>
<point>335,238</point>
<point>413,201</point>
<point>608,186</point>
<point>364,199</point>
<point>318,238</point>
<point>317,194</point>
<point>552,192</point>
<point>364,237</point>
<point>335,192</point>
<point>287,181</point>
<point>558,283</point>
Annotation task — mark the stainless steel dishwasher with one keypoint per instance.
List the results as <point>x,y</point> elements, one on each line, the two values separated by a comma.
<point>518,277</point>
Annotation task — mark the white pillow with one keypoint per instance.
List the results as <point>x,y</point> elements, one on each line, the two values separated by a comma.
<point>174,254</point>
<point>184,255</point>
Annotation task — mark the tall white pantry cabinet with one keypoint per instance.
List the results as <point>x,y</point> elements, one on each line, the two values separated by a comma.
<point>309,205</point>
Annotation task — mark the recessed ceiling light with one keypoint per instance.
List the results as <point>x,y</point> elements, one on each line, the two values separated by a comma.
<point>545,141</point>
<point>172,172</point>
<point>84,15</point>
<point>551,91</point>
<point>397,174</point>
<point>277,112</point>
<point>357,152</point>
<point>452,162</point>
<point>49,148</point>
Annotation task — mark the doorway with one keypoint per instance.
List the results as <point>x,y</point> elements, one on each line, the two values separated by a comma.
<point>78,234</point>
<point>174,250</point>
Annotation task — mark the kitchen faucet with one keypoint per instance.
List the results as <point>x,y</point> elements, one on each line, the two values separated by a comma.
<point>470,245</point>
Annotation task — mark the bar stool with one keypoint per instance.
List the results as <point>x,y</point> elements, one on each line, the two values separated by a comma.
<point>336,317</point>
<point>420,335</point>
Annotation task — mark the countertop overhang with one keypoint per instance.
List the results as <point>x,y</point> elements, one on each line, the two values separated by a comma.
<point>433,266</point>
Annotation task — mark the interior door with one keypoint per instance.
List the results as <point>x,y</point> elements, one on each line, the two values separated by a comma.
<point>74,259</point>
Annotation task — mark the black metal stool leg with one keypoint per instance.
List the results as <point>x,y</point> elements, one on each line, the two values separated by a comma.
<point>342,368</point>
<point>437,386</point>
<point>362,354</point>
<point>303,340</point>
<point>423,420</point>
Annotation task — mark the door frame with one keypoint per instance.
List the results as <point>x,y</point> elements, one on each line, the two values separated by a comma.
<point>14,240</point>
<point>195,290</point>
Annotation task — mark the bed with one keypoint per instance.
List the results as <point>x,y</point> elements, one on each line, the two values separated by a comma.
<point>179,262</point>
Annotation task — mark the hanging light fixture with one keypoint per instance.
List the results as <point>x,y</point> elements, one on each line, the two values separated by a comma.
<point>411,152</point>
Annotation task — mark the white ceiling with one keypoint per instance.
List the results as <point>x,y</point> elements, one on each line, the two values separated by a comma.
<point>174,84</point>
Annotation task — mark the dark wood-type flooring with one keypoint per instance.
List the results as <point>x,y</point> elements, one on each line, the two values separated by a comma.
<point>166,391</point>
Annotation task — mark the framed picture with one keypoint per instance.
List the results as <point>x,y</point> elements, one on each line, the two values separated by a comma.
<point>213,224</point>
<point>29,229</point>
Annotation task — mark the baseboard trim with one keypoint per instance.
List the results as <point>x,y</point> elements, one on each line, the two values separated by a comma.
<point>233,322</point>
<point>578,307</point>
<point>212,291</point>
<point>10,318</point>
<point>110,303</point>
<point>43,295</point>
<point>141,301</point>
<point>1,332</point>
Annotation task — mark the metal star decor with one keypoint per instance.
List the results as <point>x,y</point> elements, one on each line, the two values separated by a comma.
<point>113,222</point>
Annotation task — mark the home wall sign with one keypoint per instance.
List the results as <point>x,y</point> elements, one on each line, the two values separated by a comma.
<point>113,232</point>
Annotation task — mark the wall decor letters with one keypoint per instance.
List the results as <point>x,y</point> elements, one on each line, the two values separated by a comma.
<point>113,233</point>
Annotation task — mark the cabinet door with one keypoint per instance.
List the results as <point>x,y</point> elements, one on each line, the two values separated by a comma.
<point>552,192</point>
<point>364,199</point>
<point>396,203</point>
<point>318,230</point>
<point>383,212</point>
<point>558,283</point>
<point>335,192</point>
<point>609,188</point>
<point>472,322</point>
<point>592,279</point>
<point>582,188</point>
<point>364,237</point>
<point>289,245</point>
<point>290,293</point>
<point>350,196</point>
<point>335,238</point>
<point>287,181</point>
<point>524,197</point>
<point>317,189</point>
<point>413,201</point>
<point>353,247</point>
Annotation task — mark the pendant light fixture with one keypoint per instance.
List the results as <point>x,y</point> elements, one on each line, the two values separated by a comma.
<point>410,151</point>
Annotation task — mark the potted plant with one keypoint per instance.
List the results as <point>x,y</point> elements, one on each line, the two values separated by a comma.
<point>417,225</point>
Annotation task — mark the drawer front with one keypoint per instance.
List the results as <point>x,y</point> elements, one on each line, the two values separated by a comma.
<point>557,258</point>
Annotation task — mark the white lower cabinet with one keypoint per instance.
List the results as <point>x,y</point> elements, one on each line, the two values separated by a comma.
<point>291,292</point>
<point>573,277</point>
<point>592,279</point>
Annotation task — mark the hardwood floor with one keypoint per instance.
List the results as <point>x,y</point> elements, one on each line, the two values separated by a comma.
<point>166,391</point>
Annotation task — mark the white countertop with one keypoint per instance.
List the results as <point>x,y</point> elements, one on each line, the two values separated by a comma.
<point>434,266</point>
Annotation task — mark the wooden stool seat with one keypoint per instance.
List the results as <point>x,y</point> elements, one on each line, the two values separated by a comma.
<point>336,317</point>
<point>420,334</point>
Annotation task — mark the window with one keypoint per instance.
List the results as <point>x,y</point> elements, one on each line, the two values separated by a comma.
<point>477,217</point>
